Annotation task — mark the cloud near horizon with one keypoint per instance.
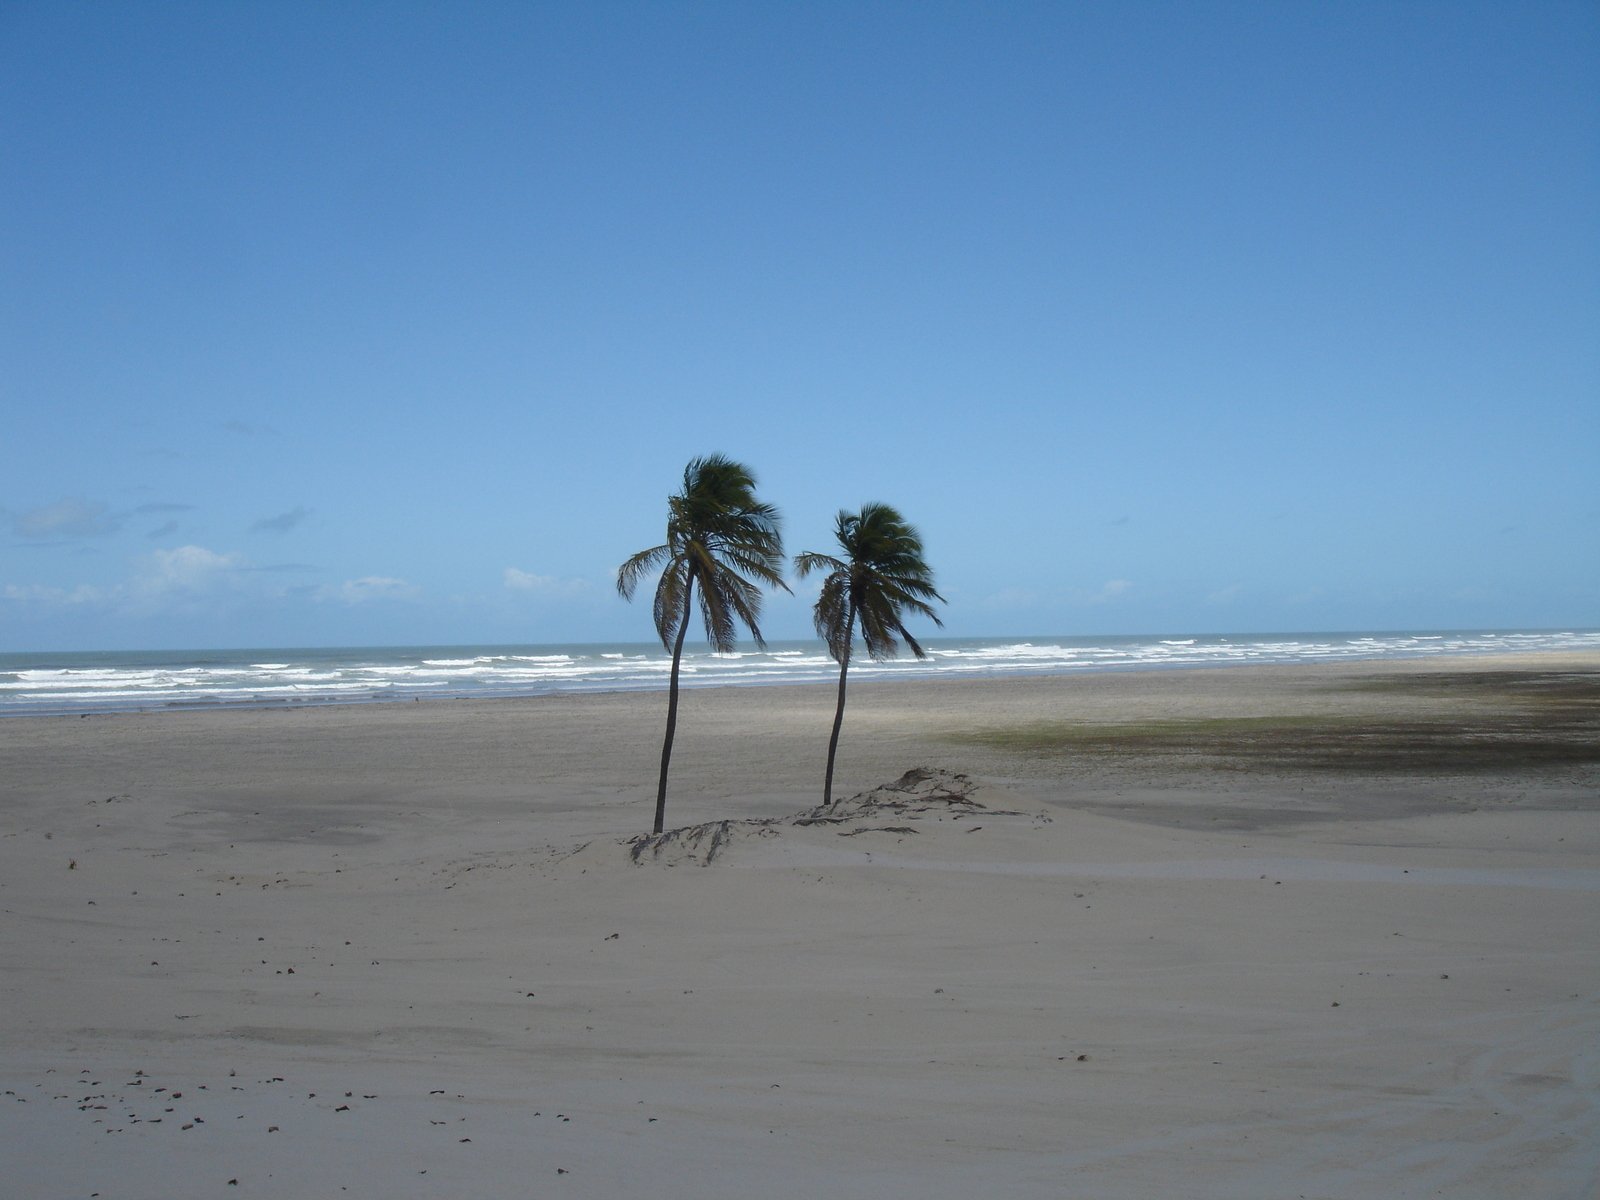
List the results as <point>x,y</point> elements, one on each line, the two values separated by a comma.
<point>54,597</point>
<point>189,566</point>
<point>369,588</point>
<point>544,585</point>
<point>1023,598</point>
<point>181,577</point>
<point>1112,589</point>
<point>163,579</point>
<point>1013,597</point>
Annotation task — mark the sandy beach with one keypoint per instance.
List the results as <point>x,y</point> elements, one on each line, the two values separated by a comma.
<point>1330,932</point>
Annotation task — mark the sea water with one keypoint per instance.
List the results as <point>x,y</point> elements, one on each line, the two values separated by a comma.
<point>54,683</point>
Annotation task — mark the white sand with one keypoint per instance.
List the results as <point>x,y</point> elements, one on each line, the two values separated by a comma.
<point>358,951</point>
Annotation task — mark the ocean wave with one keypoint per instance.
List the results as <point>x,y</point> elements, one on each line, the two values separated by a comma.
<point>85,682</point>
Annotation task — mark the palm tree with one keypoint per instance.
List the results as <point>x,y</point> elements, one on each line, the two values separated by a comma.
<point>721,538</point>
<point>881,577</point>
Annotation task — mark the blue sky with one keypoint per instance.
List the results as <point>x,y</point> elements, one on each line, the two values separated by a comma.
<point>392,323</point>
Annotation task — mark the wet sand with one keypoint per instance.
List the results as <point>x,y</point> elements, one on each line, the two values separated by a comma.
<point>1258,931</point>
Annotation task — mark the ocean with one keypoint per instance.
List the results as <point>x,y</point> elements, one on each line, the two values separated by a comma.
<point>130,681</point>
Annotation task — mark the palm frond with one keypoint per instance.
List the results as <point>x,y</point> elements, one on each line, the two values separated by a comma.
<point>805,564</point>
<point>669,610</point>
<point>832,615</point>
<point>630,572</point>
<point>880,623</point>
<point>717,610</point>
<point>741,599</point>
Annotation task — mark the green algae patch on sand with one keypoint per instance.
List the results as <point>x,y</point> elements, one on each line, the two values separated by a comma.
<point>1573,691</point>
<point>1194,736</point>
<point>1493,742</point>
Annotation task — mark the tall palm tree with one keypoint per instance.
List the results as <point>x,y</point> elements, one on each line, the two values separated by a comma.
<point>881,578</point>
<point>721,538</point>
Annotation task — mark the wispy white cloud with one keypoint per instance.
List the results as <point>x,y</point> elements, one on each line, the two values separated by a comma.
<point>43,595</point>
<point>1226,595</point>
<point>187,567</point>
<point>545,585</point>
<point>71,517</point>
<point>1014,597</point>
<point>1108,592</point>
<point>368,589</point>
<point>181,577</point>
<point>175,579</point>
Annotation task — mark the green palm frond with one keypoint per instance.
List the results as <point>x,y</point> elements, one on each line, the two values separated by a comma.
<point>805,564</point>
<point>630,572</point>
<point>832,616</point>
<point>744,600</point>
<point>669,603</point>
<point>718,613</point>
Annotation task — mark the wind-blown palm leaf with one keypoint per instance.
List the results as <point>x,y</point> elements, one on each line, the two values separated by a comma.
<point>722,545</point>
<point>629,573</point>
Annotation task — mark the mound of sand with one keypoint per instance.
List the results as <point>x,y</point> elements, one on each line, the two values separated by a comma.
<point>921,799</point>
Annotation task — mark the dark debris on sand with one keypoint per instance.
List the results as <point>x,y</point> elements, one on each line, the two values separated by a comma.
<point>918,795</point>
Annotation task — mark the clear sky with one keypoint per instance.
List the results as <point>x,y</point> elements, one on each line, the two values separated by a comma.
<point>331,323</point>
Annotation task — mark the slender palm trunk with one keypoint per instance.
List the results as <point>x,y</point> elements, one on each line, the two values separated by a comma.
<point>672,707</point>
<point>838,716</point>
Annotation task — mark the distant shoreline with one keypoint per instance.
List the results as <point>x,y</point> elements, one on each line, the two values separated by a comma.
<point>177,653</point>
<point>168,681</point>
<point>931,682</point>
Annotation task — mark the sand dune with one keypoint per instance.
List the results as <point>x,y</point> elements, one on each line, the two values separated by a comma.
<point>420,950</point>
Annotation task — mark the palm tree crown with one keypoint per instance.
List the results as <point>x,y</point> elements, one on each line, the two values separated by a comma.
<point>881,578</point>
<point>721,538</point>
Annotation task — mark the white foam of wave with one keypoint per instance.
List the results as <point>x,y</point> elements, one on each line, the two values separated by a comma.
<point>327,678</point>
<point>1013,651</point>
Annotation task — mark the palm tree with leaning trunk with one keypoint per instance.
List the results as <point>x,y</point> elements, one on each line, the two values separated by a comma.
<point>881,578</point>
<point>723,541</point>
